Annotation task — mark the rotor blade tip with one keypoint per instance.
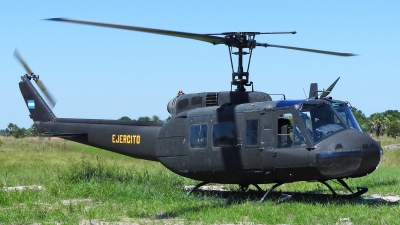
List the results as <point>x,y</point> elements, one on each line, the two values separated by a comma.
<point>55,19</point>
<point>348,54</point>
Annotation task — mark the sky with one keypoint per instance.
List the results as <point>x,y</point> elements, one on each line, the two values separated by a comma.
<point>103,73</point>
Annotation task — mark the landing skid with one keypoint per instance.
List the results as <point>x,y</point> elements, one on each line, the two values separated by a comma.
<point>242,187</point>
<point>359,192</point>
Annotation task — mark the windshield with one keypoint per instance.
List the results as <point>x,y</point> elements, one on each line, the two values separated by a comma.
<point>320,121</point>
<point>347,115</point>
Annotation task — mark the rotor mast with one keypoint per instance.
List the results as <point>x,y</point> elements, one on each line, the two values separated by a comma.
<point>241,40</point>
<point>240,78</point>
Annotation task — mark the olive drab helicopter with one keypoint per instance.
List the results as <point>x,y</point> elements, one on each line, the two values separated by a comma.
<point>229,137</point>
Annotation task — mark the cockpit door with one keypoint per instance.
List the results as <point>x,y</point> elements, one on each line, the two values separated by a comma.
<point>291,141</point>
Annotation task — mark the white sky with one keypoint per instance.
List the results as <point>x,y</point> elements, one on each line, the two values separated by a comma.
<point>107,73</point>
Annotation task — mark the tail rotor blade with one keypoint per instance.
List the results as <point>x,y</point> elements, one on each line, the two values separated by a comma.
<point>50,98</point>
<point>21,60</point>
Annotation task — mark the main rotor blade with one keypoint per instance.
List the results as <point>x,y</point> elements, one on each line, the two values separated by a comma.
<point>50,98</point>
<point>21,60</point>
<point>199,37</point>
<point>309,50</point>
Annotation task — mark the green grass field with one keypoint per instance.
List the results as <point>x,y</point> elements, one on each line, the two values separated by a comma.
<point>72,183</point>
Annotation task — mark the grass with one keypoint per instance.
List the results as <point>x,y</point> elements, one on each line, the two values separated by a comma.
<point>386,140</point>
<point>85,184</point>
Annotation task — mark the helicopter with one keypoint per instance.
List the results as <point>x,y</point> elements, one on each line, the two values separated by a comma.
<point>229,137</point>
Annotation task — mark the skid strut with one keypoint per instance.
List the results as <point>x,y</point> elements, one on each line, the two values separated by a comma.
<point>359,192</point>
<point>269,191</point>
<point>197,187</point>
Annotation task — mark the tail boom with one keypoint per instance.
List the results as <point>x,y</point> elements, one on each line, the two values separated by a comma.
<point>136,141</point>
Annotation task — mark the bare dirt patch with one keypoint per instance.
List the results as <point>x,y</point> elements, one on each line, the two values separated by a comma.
<point>24,188</point>
<point>389,198</point>
<point>207,188</point>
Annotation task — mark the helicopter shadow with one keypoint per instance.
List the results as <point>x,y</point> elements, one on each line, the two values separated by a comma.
<point>277,197</point>
<point>228,198</point>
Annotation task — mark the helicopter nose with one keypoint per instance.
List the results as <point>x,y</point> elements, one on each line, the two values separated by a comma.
<point>349,153</point>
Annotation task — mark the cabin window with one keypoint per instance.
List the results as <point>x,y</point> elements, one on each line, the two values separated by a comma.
<point>252,132</point>
<point>224,134</point>
<point>198,135</point>
<point>289,134</point>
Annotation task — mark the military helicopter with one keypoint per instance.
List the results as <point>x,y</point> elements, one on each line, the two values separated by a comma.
<point>229,137</point>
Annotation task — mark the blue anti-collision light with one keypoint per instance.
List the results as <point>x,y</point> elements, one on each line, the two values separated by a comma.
<point>288,103</point>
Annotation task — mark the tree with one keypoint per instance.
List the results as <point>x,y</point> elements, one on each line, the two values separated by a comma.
<point>15,131</point>
<point>124,118</point>
<point>378,123</point>
<point>360,117</point>
<point>155,118</point>
<point>31,131</point>
<point>394,129</point>
<point>3,132</point>
<point>146,118</point>
<point>142,118</point>
<point>393,113</point>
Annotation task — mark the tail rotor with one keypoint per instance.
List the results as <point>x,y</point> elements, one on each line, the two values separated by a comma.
<point>50,98</point>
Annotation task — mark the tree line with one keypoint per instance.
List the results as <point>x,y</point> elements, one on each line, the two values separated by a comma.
<point>378,124</point>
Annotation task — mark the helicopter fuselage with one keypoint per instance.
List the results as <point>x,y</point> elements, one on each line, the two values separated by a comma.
<point>248,143</point>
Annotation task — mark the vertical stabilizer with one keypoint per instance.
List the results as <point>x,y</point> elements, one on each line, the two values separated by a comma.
<point>38,109</point>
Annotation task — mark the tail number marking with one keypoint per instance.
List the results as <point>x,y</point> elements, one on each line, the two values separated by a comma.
<point>125,139</point>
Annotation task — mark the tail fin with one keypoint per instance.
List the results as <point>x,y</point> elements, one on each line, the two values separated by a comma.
<point>39,110</point>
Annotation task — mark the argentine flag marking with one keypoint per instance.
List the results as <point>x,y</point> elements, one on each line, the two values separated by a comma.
<point>31,104</point>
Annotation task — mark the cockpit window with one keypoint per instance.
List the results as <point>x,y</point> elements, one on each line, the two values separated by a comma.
<point>320,121</point>
<point>346,114</point>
